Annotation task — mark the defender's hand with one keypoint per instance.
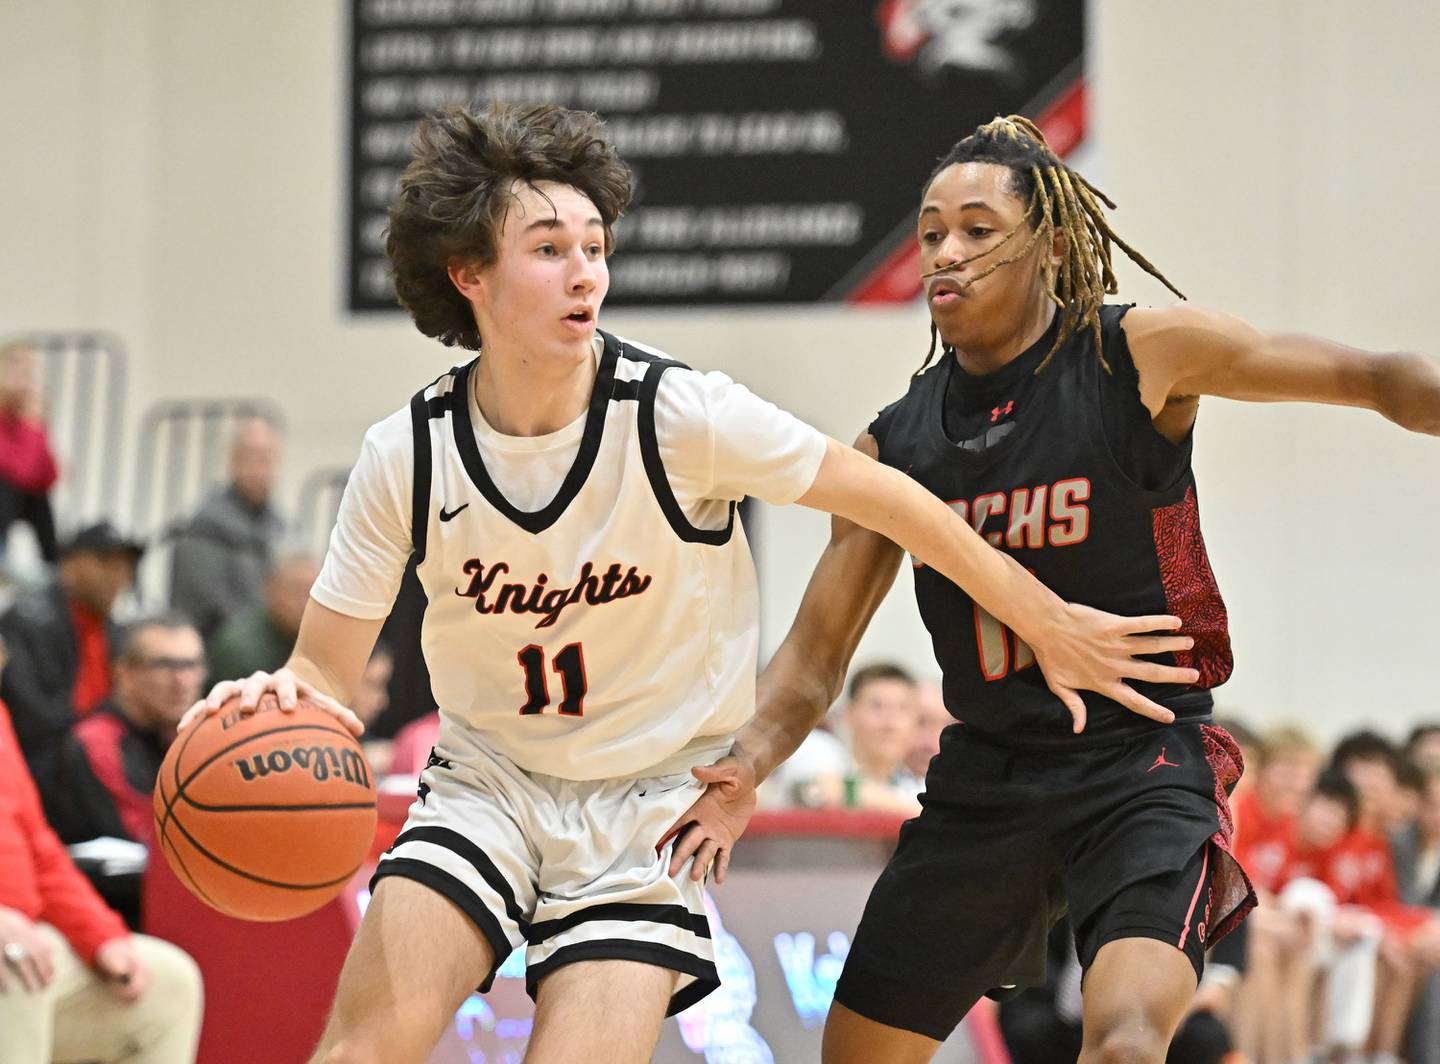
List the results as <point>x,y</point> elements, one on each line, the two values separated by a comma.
<point>709,829</point>
<point>1089,650</point>
<point>288,689</point>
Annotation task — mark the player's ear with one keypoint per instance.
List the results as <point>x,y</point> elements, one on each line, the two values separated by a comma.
<point>467,276</point>
<point>1058,243</point>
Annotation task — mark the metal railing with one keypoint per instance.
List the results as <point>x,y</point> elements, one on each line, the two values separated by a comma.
<point>320,494</point>
<point>182,444</point>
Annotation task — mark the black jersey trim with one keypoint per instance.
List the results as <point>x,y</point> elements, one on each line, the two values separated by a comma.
<point>421,411</point>
<point>447,886</point>
<point>539,520</point>
<point>477,858</point>
<point>706,976</point>
<point>629,912</point>
<point>655,468</point>
<point>625,390</point>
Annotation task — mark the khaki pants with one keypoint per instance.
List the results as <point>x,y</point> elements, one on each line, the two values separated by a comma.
<point>75,1019</point>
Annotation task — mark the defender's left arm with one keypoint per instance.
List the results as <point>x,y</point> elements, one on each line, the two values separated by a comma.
<point>1184,351</point>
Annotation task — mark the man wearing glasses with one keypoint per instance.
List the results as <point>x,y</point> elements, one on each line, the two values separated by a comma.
<point>158,671</point>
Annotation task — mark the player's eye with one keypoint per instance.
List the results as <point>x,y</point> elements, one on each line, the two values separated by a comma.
<point>546,249</point>
<point>930,236</point>
<point>595,250</point>
<point>978,231</point>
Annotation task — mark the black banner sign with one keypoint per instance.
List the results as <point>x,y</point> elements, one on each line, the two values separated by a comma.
<point>779,146</point>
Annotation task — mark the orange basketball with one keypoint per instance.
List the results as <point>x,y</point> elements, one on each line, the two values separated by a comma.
<point>265,817</point>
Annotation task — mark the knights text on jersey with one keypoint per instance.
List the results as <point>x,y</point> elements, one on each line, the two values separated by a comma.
<point>1040,479</point>
<point>602,635</point>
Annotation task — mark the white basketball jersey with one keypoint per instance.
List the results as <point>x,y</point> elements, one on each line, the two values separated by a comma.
<point>599,636</point>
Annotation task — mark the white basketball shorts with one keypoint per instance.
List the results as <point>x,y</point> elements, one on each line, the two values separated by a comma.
<point>567,868</point>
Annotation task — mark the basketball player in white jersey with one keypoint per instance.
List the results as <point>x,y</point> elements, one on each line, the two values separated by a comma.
<point>569,499</point>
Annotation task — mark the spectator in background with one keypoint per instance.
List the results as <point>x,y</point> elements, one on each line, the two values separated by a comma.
<point>1280,773</point>
<point>1333,957</point>
<point>59,638</point>
<point>1409,795</point>
<point>931,718</point>
<point>881,719</point>
<point>1284,767</point>
<point>223,553</point>
<point>158,672</point>
<point>27,465</point>
<point>1362,868</point>
<point>1423,748</point>
<point>261,638</point>
<point>74,984</point>
<point>1417,851</point>
<point>1417,868</point>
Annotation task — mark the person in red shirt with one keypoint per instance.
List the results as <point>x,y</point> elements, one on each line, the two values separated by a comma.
<point>1362,869</point>
<point>158,672</point>
<point>1308,935</point>
<point>1284,776</point>
<point>59,639</point>
<point>74,984</point>
<point>28,469</point>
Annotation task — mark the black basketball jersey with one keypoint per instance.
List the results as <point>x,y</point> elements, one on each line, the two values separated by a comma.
<point>1064,471</point>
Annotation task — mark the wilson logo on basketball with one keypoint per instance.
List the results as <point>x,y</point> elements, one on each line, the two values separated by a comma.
<point>323,762</point>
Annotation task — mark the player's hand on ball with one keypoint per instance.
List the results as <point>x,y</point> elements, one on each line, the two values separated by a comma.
<point>709,829</point>
<point>284,684</point>
<point>125,974</point>
<point>1090,650</point>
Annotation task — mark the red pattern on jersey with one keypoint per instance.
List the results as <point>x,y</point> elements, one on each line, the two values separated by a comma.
<point>1231,895</point>
<point>1190,590</point>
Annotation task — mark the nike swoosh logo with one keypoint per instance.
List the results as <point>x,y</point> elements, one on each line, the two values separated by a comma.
<point>445,515</point>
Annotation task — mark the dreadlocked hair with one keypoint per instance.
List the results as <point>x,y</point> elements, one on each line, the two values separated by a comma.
<point>1059,200</point>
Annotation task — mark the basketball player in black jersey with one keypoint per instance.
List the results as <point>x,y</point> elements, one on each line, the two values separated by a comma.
<point>1062,429</point>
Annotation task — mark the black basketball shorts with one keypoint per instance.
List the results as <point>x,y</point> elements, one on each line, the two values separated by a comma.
<point>1132,839</point>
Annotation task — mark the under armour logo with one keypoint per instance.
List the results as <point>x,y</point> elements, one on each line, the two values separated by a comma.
<point>445,514</point>
<point>1000,411</point>
<point>1161,761</point>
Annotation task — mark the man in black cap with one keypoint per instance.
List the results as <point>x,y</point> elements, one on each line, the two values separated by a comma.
<point>59,638</point>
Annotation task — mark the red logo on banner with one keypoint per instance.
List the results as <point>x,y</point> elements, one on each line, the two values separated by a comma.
<point>958,34</point>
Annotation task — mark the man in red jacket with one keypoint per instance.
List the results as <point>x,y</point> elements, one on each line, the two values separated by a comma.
<point>159,666</point>
<point>74,984</point>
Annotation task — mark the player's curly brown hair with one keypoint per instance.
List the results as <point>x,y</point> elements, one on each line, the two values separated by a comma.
<point>457,189</point>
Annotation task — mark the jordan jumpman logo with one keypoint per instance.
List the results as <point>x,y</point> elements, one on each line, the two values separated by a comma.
<point>1161,761</point>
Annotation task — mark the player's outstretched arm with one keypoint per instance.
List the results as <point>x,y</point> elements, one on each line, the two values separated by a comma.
<point>1077,648</point>
<point>1084,648</point>
<point>325,668</point>
<point>795,689</point>
<point>807,672</point>
<point>1186,351</point>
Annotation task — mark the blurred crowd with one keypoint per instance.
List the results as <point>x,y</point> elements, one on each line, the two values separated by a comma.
<point>93,683</point>
<point>1338,963</point>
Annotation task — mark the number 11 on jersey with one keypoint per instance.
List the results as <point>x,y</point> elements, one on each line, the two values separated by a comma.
<point>570,664</point>
<point>1001,650</point>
